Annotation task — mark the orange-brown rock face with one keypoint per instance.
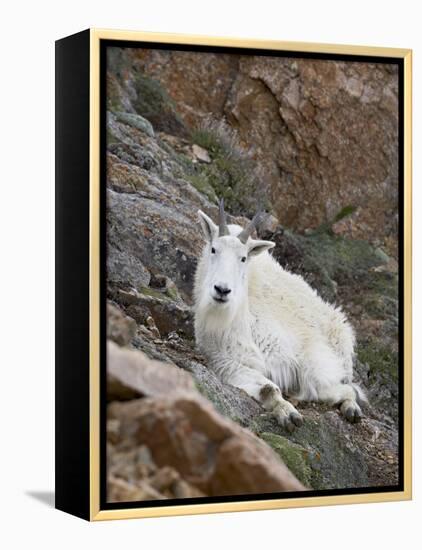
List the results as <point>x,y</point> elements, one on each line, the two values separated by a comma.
<point>324,134</point>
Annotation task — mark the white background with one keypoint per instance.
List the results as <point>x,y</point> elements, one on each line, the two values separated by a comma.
<point>28,31</point>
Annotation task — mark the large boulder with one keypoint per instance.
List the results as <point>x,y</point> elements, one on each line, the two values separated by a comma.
<point>130,372</point>
<point>172,442</point>
<point>183,431</point>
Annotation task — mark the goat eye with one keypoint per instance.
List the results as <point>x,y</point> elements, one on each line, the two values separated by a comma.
<point>212,250</point>
<point>243,259</point>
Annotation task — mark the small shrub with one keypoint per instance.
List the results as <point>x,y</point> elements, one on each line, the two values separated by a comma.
<point>327,227</point>
<point>201,182</point>
<point>154,103</point>
<point>218,138</point>
<point>231,174</point>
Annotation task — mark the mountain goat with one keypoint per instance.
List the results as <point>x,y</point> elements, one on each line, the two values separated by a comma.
<point>266,331</point>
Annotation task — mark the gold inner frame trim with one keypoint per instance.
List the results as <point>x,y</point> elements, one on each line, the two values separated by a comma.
<point>94,243</point>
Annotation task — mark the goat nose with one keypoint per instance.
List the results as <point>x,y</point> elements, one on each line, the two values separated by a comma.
<point>222,290</point>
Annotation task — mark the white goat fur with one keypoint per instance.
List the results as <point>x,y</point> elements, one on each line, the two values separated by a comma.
<point>274,334</point>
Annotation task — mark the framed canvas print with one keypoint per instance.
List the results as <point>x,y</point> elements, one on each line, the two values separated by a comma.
<point>233,296</point>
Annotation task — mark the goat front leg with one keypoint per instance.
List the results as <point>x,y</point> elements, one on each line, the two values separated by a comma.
<point>269,395</point>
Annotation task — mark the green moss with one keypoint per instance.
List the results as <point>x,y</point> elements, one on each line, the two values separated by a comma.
<point>382,256</point>
<point>294,456</point>
<point>372,305</point>
<point>317,453</point>
<point>218,401</point>
<point>231,174</point>
<point>209,394</point>
<point>136,121</point>
<point>344,213</point>
<point>343,259</point>
<point>147,291</point>
<point>381,360</point>
<point>351,263</point>
<point>111,136</point>
<point>327,227</point>
<point>154,103</point>
<point>339,253</point>
<point>151,96</point>
<point>184,161</point>
<point>378,306</point>
<point>201,182</point>
<point>384,284</point>
<point>172,293</point>
<point>114,94</point>
<point>169,294</point>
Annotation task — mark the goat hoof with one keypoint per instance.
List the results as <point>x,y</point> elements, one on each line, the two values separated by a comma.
<point>296,418</point>
<point>353,415</point>
<point>288,419</point>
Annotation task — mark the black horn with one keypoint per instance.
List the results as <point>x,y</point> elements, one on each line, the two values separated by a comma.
<point>223,230</point>
<point>253,224</point>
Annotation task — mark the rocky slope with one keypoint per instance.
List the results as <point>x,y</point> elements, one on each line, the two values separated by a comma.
<point>158,177</point>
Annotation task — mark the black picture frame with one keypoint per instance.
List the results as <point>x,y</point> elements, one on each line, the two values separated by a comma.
<point>80,146</point>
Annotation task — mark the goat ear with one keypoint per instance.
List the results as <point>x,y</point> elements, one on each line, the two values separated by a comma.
<point>256,247</point>
<point>209,228</point>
